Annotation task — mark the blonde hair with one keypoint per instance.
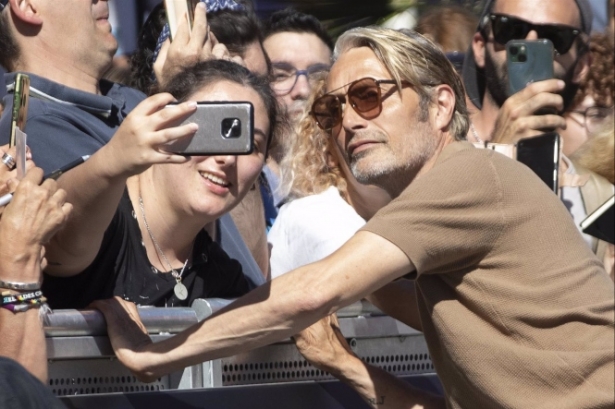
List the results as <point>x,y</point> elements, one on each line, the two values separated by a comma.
<point>412,58</point>
<point>308,166</point>
<point>597,153</point>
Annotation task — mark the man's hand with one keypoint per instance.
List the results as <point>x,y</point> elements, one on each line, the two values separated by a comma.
<point>517,118</point>
<point>34,215</point>
<point>324,345</point>
<point>126,333</point>
<point>6,174</point>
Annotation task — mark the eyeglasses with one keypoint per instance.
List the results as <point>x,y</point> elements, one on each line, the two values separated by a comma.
<point>593,117</point>
<point>364,95</point>
<point>506,28</point>
<point>285,76</point>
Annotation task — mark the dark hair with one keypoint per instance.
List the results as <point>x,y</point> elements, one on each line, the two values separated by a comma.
<point>206,73</point>
<point>294,21</point>
<point>235,29</point>
<point>9,50</point>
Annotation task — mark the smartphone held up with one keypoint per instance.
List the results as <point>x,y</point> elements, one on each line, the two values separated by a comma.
<point>225,128</point>
<point>178,10</point>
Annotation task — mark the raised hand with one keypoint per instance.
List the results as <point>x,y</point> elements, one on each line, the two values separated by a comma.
<point>35,214</point>
<point>517,118</point>
<point>140,141</point>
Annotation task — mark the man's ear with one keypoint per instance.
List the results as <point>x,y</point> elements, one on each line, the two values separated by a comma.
<point>478,47</point>
<point>26,11</point>
<point>443,107</point>
<point>582,69</point>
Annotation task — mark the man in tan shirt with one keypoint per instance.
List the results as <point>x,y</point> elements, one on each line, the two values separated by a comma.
<point>516,309</point>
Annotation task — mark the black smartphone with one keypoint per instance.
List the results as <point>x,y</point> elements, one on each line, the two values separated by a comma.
<point>20,105</point>
<point>601,223</point>
<point>542,155</point>
<point>176,10</point>
<point>225,128</point>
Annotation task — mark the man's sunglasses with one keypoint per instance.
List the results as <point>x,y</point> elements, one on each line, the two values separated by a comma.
<point>364,95</point>
<point>506,28</point>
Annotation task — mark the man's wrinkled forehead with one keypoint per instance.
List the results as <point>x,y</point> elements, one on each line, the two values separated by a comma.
<point>353,64</point>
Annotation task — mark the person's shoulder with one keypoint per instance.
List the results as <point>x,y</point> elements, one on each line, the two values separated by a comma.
<point>115,90</point>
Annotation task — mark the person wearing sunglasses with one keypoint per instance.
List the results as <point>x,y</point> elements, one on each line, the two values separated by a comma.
<point>510,298</point>
<point>504,118</point>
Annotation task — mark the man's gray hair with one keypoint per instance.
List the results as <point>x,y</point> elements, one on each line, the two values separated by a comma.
<point>412,58</point>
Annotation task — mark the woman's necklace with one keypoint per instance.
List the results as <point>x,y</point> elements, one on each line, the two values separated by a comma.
<point>180,290</point>
<point>475,134</point>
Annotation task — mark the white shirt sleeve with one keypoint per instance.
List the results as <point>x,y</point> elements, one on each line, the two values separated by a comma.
<point>309,229</point>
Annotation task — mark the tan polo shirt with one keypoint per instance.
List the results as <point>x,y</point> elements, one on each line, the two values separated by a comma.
<point>516,309</point>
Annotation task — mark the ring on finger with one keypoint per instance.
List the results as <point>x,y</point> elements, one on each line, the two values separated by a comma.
<point>9,161</point>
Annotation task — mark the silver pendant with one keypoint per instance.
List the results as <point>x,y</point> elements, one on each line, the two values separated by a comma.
<point>180,290</point>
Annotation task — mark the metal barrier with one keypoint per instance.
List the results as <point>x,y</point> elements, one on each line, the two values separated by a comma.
<point>81,360</point>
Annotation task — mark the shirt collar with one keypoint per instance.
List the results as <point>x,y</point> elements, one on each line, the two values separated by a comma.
<point>99,105</point>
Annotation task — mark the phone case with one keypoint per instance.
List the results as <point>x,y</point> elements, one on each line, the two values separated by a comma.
<point>528,61</point>
<point>225,128</point>
<point>176,10</point>
<point>542,155</point>
<point>19,114</point>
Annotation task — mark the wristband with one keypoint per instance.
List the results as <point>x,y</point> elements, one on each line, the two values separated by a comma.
<point>20,286</point>
<point>20,298</point>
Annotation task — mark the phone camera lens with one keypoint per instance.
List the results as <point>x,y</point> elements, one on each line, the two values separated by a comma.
<point>522,58</point>
<point>230,128</point>
<point>514,50</point>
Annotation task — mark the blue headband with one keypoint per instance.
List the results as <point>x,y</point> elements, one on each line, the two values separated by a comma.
<point>212,6</point>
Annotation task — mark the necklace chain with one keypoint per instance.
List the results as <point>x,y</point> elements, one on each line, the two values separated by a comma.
<point>474,133</point>
<point>178,276</point>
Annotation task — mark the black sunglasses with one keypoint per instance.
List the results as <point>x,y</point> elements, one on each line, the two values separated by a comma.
<point>364,96</point>
<point>506,28</point>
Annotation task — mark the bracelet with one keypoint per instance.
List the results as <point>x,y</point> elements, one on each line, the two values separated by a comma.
<point>20,298</point>
<point>20,286</point>
<point>15,308</point>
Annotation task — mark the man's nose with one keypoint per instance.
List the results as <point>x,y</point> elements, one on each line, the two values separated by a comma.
<point>532,35</point>
<point>302,88</point>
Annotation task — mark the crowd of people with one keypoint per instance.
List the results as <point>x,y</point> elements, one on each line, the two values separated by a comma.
<point>361,183</point>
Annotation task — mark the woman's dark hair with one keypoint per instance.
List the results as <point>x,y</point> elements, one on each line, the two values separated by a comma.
<point>206,73</point>
<point>235,29</point>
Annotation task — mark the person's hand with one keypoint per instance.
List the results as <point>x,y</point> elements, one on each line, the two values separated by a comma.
<point>517,118</point>
<point>324,345</point>
<point>126,332</point>
<point>140,140</point>
<point>190,47</point>
<point>34,215</point>
<point>5,173</point>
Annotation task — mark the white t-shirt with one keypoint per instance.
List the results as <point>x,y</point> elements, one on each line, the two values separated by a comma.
<point>309,229</point>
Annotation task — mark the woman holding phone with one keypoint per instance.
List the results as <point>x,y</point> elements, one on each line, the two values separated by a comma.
<point>139,210</point>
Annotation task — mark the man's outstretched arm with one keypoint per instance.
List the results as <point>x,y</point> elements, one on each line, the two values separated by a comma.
<point>272,312</point>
